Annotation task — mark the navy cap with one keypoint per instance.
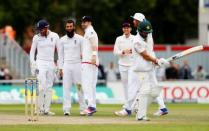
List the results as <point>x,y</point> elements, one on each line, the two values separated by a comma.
<point>126,24</point>
<point>86,18</point>
<point>42,24</point>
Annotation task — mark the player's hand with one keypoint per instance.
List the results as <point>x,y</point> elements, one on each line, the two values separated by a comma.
<point>162,62</point>
<point>93,59</point>
<point>127,51</point>
<point>34,68</point>
<point>61,72</point>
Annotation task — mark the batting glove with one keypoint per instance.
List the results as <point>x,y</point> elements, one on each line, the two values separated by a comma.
<point>34,69</point>
<point>162,62</point>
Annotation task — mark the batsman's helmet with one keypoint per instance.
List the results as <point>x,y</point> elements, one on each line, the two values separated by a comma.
<point>42,24</point>
<point>145,26</point>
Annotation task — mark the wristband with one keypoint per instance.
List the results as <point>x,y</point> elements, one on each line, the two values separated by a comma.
<point>94,53</point>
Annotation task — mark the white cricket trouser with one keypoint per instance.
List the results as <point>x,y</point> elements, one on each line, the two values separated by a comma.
<point>89,81</point>
<point>134,86</point>
<point>160,101</point>
<point>45,77</point>
<point>148,91</point>
<point>72,75</point>
<point>133,89</point>
<point>124,73</point>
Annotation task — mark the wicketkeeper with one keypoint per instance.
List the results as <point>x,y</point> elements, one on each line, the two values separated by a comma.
<point>45,43</point>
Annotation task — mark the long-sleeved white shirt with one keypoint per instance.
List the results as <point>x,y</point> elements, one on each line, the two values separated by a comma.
<point>87,46</point>
<point>70,49</point>
<point>123,43</point>
<point>45,47</point>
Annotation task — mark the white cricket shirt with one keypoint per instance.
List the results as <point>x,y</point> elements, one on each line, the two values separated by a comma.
<point>121,44</point>
<point>87,47</point>
<point>45,47</point>
<point>70,49</point>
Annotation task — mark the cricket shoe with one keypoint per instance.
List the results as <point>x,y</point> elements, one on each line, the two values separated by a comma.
<point>123,112</point>
<point>161,112</point>
<point>89,111</point>
<point>67,113</point>
<point>41,113</point>
<point>144,118</point>
<point>49,113</point>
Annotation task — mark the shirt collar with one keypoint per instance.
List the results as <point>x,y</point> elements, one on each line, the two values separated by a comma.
<point>126,37</point>
<point>88,28</point>
<point>49,32</point>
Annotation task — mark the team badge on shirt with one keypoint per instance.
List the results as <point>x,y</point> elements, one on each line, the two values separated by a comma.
<point>51,39</point>
<point>75,42</point>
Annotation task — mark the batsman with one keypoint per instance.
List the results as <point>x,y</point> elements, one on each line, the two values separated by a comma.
<point>144,68</point>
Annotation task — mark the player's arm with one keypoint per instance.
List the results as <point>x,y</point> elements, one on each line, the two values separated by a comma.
<point>117,50</point>
<point>60,51</point>
<point>120,52</point>
<point>148,57</point>
<point>83,41</point>
<point>33,50</point>
<point>140,49</point>
<point>94,46</point>
<point>33,65</point>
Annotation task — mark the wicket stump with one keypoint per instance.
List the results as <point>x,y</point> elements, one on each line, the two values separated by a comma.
<point>31,109</point>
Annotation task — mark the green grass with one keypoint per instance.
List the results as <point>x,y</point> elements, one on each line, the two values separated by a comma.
<point>182,117</point>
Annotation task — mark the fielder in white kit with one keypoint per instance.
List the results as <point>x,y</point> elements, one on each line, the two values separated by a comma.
<point>144,68</point>
<point>70,49</point>
<point>90,62</point>
<point>137,19</point>
<point>123,49</point>
<point>45,43</point>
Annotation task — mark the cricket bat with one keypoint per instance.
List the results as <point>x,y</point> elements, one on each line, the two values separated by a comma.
<point>185,53</point>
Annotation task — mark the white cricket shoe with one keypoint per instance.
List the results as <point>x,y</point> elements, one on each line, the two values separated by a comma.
<point>161,112</point>
<point>49,113</point>
<point>89,111</point>
<point>83,113</point>
<point>143,119</point>
<point>123,112</point>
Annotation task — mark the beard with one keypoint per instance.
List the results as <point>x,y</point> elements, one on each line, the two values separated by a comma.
<point>143,35</point>
<point>70,34</point>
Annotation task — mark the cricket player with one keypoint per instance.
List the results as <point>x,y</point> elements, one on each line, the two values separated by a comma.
<point>90,64</point>
<point>144,68</point>
<point>45,43</point>
<point>70,49</point>
<point>137,18</point>
<point>123,49</point>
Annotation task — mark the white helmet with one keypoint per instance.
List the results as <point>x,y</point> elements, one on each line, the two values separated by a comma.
<point>138,16</point>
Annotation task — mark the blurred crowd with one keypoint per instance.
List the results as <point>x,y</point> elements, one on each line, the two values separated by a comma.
<point>181,72</point>
<point>5,73</point>
<point>173,72</point>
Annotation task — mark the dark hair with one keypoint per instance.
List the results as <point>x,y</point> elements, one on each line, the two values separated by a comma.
<point>86,18</point>
<point>126,24</point>
<point>70,21</point>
